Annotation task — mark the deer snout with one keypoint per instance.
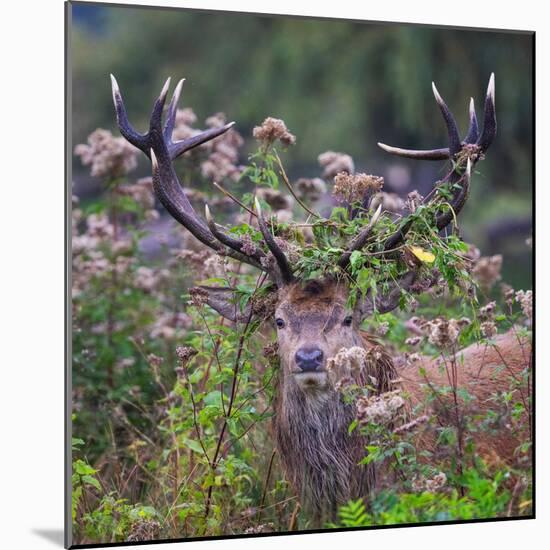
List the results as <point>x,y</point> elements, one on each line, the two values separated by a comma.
<point>309,359</point>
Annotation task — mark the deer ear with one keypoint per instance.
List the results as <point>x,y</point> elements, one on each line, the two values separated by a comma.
<point>384,303</point>
<point>225,301</point>
<point>366,305</point>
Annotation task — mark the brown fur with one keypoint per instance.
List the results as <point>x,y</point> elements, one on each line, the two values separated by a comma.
<point>311,421</point>
<point>483,371</point>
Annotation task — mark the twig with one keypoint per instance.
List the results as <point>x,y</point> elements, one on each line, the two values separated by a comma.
<point>235,199</point>
<point>289,187</point>
<point>236,366</point>
<point>266,484</point>
<point>292,522</point>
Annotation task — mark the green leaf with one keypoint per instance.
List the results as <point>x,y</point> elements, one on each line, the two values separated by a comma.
<point>193,445</point>
<point>89,480</point>
<point>76,443</point>
<point>82,468</point>
<point>355,259</point>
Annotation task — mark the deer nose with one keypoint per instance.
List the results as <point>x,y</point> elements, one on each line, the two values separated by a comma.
<point>308,359</point>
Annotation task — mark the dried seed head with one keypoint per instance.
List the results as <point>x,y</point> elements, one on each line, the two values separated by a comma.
<point>379,409</point>
<point>271,351</point>
<point>310,189</point>
<point>414,200</point>
<point>273,129</point>
<point>199,296</point>
<point>488,329</point>
<point>430,485</point>
<point>143,529</point>
<point>443,332</point>
<point>508,293</point>
<point>525,300</point>
<point>263,306</point>
<point>486,270</point>
<point>185,353</point>
<point>154,360</point>
<point>354,188</point>
<point>487,312</point>
<point>334,163</point>
<point>248,247</point>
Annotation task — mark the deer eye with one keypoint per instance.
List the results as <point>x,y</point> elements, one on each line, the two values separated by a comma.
<point>348,321</point>
<point>279,322</point>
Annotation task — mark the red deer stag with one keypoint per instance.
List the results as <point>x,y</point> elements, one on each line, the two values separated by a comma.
<point>312,318</point>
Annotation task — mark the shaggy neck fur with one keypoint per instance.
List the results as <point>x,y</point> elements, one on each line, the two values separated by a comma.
<point>318,455</point>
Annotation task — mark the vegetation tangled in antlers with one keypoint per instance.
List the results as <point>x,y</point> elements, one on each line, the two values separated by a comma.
<point>356,242</point>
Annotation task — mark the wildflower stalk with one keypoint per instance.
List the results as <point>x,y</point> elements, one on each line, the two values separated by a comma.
<point>236,367</point>
<point>266,484</point>
<point>235,199</point>
<point>289,187</point>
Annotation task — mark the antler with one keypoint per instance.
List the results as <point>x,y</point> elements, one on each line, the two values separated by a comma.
<point>383,303</point>
<point>463,155</point>
<point>474,146</point>
<point>157,144</point>
<point>472,136</point>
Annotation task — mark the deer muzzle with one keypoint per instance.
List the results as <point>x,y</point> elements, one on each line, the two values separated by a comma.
<point>309,359</point>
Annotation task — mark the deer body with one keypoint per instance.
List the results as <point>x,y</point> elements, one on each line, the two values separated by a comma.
<point>483,371</point>
<point>319,456</point>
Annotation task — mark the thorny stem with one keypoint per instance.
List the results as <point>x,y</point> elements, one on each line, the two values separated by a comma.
<point>195,421</point>
<point>266,485</point>
<point>452,377</point>
<point>236,365</point>
<point>235,199</point>
<point>524,401</point>
<point>216,343</point>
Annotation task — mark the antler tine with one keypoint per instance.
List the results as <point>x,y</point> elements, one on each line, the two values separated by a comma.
<point>452,129</point>
<point>443,220</point>
<point>455,175</point>
<point>282,262</point>
<point>473,130</point>
<point>155,122</point>
<point>418,154</point>
<point>144,141</point>
<point>172,109</point>
<point>126,129</point>
<point>179,147</point>
<point>453,135</point>
<point>360,240</point>
<point>231,242</point>
<point>489,117</point>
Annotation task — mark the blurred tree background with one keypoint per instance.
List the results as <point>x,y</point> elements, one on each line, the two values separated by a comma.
<point>155,453</point>
<point>338,85</point>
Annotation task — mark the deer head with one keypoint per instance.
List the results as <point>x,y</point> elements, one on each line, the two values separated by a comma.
<point>312,317</point>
